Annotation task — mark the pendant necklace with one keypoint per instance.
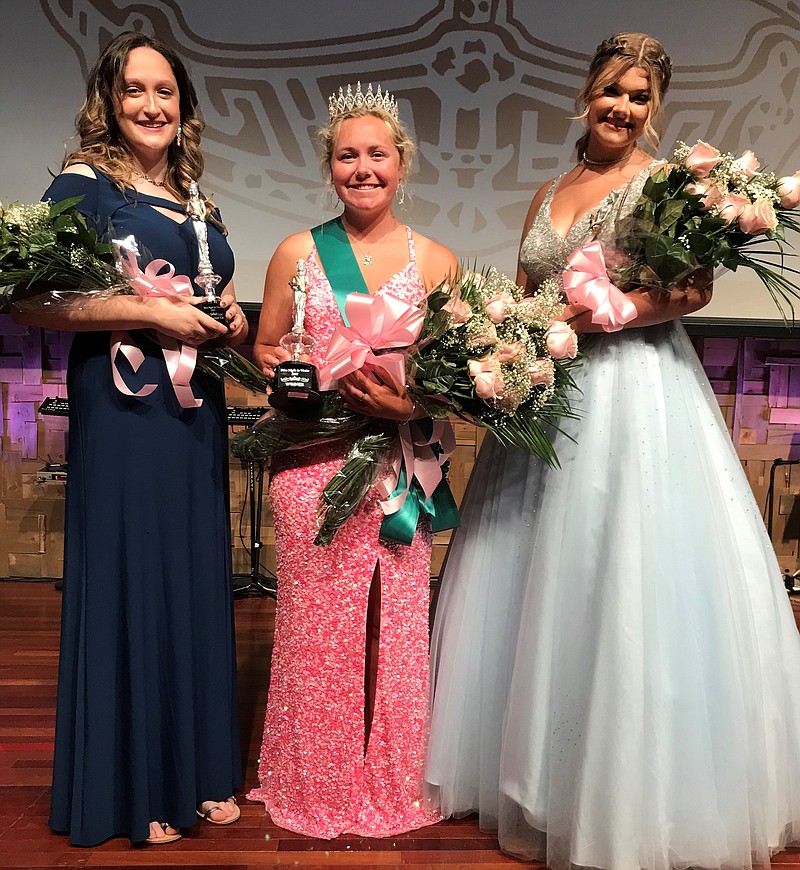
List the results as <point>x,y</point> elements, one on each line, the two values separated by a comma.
<point>366,258</point>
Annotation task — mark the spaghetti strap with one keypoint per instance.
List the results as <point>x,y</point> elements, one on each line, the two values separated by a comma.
<point>412,254</point>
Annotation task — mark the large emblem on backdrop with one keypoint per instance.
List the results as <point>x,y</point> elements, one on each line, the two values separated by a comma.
<point>488,101</point>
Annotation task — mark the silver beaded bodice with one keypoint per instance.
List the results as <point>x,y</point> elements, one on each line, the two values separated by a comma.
<point>544,252</point>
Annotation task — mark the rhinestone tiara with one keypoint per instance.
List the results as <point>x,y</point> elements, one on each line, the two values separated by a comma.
<point>346,101</point>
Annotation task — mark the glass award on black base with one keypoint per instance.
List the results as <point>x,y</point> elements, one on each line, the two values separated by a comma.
<point>206,278</point>
<point>295,389</point>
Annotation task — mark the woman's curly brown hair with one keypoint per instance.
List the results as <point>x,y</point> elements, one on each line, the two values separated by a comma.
<point>612,59</point>
<point>101,142</point>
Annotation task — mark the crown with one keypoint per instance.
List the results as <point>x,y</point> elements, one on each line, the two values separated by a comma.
<point>347,101</point>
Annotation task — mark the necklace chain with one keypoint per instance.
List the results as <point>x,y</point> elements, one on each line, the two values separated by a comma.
<point>145,177</point>
<point>366,258</point>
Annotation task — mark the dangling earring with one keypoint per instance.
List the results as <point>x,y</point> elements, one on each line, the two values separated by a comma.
<point>333,198</point>
<point>179,137</point>
<point>400,193</point>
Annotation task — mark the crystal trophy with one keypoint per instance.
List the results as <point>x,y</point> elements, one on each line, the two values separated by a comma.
<point>295,389</point>
<point>206,278</point>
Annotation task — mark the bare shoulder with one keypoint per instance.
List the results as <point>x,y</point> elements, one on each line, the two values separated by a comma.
<point>83,169</point>
<point>435,260</point>
<point>294,247</point>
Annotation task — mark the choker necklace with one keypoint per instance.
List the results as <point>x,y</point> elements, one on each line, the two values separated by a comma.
<point>146,177</point>
<point>601,164</point>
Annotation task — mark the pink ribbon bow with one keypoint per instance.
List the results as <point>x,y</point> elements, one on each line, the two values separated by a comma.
<point>420,461</point>
<point>180,358</point>
<point>376,322</point>
<point>586,283</point>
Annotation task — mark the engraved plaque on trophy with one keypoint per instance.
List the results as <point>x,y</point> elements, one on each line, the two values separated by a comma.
<point>295,389</point>
<point>206,278</point>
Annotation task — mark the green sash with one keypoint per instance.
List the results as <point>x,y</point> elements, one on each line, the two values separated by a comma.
<point>341,268</point>
<point>338,262</point>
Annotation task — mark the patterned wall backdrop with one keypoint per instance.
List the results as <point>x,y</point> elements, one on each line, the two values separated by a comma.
<point>486,85</point>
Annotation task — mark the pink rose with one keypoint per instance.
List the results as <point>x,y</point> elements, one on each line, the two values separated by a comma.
<point>731,206</point>
<point>562,342</point>
<point>541,372</point>
<point>710,193</point>
<point>485,374</point>
<point>747,164</point>
<point>758,217</point>
<point>789,190</point>
<point>512,352</point>
<point>489,386</point>
<point>697,188</point>
<point>458,310</point>
<point>713,197</point>
<point>499,306</point>
<point>701,159</point>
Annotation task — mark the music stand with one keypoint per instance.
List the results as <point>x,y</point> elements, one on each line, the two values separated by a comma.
<point>255,583</point>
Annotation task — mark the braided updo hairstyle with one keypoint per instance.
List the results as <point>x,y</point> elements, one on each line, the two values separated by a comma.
<point>612,59</point>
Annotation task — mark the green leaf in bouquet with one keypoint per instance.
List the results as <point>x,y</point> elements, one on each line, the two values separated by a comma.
<point>657,186</point>
<point>669,214</point>
<point>440,379</point>
<point>702,246</point>
<point>435,325</point>
<point>646,220</point>
<point>57,208</point>
<point>677,178</point>
<point>86,236</point>
<point>219,359</point>
<point>437,299</point>
<point>669,260</point>
<point>347,488</point>
<point>40,241</point>
<point>790,219</point>
<point>711,224</point>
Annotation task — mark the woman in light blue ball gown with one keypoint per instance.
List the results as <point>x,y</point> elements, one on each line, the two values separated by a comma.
<point>615,660</point>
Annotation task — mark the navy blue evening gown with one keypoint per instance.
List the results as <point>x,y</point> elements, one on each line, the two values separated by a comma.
<point>147,722</point>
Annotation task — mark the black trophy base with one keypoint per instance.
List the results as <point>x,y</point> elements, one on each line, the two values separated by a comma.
<point>215,311</point>
<point>295,390</point>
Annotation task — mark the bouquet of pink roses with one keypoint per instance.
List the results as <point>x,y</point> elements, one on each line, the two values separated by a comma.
<point>709,209</point>
<point>493,356</point>
<point>477,348</point>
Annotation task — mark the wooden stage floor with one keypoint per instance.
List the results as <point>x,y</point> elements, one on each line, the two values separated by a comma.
<point>29,624</point>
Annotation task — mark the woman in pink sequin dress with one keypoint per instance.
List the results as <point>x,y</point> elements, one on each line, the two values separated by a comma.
<point>346,722</point>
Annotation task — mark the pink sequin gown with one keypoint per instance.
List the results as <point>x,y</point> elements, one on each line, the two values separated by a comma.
<point>315,776</point>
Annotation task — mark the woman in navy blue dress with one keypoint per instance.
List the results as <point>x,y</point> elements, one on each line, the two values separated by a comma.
<point>147,735</point>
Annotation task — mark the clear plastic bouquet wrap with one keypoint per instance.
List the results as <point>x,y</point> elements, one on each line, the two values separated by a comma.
<point>51,259</point>
<point>477,348</point>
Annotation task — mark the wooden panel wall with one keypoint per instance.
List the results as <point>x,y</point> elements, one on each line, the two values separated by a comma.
<point>756,382</point>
